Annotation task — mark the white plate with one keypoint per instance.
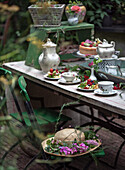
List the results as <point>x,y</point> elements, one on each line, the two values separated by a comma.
<point>63,81</point>
<point>48,78</point>
<point>99,92</point>
<point>85,90</point>
<point>84,55</point>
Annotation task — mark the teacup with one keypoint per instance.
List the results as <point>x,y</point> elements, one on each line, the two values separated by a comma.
<point>105,86</point>
<point>69,76</point>
<point>112,70</point>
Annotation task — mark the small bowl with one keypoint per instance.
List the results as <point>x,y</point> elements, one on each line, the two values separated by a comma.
<point>105,86</point>
<point>69,76</point>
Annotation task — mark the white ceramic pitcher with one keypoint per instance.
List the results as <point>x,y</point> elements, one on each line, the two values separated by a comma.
<point>49,58</point>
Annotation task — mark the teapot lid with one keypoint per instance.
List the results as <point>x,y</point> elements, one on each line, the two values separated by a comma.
<point>49,43</point>
<point>105,44</point>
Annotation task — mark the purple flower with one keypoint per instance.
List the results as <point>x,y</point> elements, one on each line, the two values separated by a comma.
<point>74,144</point>
<point>74,150</point>
<point>82,148</point>
<point>65,150</point>
<point>88,41</point>
<point>82,145</point>
<point>93,142</point>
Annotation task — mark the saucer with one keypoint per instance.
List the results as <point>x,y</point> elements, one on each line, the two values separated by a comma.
<point>49,78</point>
<point>85,90</point>
<point>99,92</point>
<point>63,81</point>
<point>83,55</point>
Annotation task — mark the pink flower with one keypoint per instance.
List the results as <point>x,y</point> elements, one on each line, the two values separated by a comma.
<point>52,141</point>
<point>92,142</point>
<point>87,55</point>
<point>65,150</point>
<point>91,64</point>
<point>76,9</point>
<point>82,145</point>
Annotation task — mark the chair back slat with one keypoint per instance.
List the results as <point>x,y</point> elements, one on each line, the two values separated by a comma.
<point>28,105</point>
<point>22,84</point>
<point>8,75</point>
<point>4,72</point>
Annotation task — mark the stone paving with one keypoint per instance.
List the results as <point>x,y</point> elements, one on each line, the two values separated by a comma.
<point>109,139</point>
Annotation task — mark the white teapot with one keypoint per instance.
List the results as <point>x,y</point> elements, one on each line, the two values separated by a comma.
<point>106,50</point>
<point>49,58</point>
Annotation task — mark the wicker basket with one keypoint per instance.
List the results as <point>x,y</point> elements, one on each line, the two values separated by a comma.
<point>47,17</point>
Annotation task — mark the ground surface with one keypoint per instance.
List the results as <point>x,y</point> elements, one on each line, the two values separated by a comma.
<point>109,139</point>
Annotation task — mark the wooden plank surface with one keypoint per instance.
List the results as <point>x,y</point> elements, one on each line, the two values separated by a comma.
<point>66,27</point>
<point>113,104</point>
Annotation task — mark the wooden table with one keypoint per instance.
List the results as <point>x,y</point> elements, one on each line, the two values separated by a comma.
<point>113,105</point>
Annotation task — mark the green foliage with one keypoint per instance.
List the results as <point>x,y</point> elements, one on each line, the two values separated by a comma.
<point>16,45</point>
<point>96,10</point>
<point>61,112</point>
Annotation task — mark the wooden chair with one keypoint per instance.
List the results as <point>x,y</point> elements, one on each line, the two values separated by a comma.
<point>32,120</point>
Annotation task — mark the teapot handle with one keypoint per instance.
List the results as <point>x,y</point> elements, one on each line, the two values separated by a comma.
<point>113,43</point>
<point>106,69</point>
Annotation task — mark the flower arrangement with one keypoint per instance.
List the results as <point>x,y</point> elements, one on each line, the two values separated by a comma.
<point>95,63</point>
<point>76,8</point>
<point>73,7</point>
<point>44,3</point>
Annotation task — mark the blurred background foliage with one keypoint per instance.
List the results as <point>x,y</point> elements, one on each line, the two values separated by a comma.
<point>15,16</point>
<point>14,29</point>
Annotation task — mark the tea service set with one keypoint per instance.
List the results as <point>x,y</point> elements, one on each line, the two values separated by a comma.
<point>103,88</point>
<point>62,77</point>
<point>49,61</point>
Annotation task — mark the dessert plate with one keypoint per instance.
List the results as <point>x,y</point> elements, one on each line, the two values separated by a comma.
<point>63,81</point>
<point>83,55</point>
<point>49,78</point>
<point>101,93</point>
<point>85,90</point>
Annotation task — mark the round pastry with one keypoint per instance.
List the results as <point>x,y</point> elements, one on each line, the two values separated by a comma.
<point>69,134</point>
<point>89,47</point>
<point>87,50</point>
